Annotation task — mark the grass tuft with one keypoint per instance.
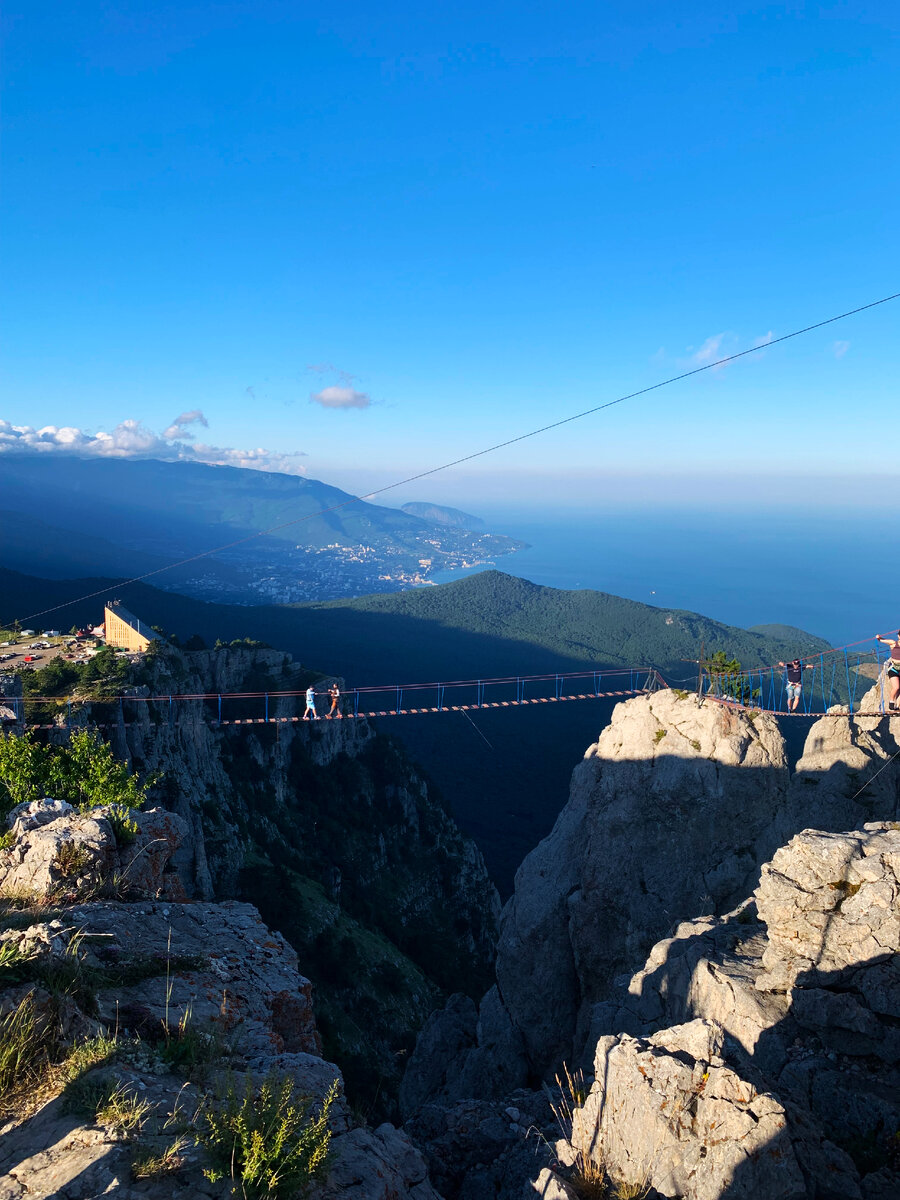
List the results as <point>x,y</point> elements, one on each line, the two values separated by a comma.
<point>149,1164</point>
<point>265,1140</point>
<point>106,1100</point>
<point>25,1046</point>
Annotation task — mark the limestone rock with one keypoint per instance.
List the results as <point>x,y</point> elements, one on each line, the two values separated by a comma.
<point>669,813</point>
<point>464,1053</point>
<point>70,853</point>
<point>32,813</point>
<point>376,1165</point>
<point>832,903</point>
<point>484,1150</point>
<point>143,866</point>
<point>549,1186</point>
<point>667,1112</point>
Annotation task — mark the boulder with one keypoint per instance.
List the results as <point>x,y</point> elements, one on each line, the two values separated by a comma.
<point>831,903</point>
<point>69,854</point>
<point>32,813</point>
<point>145,857</point>
<point>667,1113</point>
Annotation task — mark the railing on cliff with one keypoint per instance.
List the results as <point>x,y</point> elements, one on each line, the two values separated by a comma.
<point>837,679</point>
<point>388,700</point>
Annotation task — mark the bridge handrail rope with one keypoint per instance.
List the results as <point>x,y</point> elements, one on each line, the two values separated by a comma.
<point>632,681</point>
<point>757,687</point>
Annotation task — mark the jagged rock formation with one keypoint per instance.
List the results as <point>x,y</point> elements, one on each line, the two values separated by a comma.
<point>670,820</point>
<point>800,1008</point>
<point>670,817</point>
<point>57,850</point>
<point>156,975</point>
<point>327,828</point>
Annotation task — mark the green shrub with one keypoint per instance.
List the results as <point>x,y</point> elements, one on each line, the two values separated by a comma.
<point>124,826</point>
<point>85,772</point>
<point>7,840</point>
<point>266,1141</point>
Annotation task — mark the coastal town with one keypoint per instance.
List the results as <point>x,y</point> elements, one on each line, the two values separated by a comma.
<point>275,573</point>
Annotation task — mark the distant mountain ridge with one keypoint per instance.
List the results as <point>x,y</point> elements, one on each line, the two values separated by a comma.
<point>127,516</point>
<point>442,515</point>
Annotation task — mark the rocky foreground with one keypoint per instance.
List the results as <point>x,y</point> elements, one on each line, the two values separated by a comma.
<point>755,1053</point>
<point>142,1006</point>
<point>708,940</point>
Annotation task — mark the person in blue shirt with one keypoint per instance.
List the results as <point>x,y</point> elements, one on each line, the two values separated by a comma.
<point>310,705</point>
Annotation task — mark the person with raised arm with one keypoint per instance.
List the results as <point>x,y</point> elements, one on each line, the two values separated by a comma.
<point>893,671</point>
<point>794,682</point>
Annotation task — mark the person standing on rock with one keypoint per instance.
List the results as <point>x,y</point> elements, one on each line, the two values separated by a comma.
<point>310,704</point>
<point>893,671</point>
<point>335,693</point>
<point>795,682</point>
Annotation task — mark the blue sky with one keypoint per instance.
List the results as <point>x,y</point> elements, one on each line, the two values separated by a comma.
<point>478,218</point>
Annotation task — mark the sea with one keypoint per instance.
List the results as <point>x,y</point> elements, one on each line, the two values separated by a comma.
<point>830,572</point>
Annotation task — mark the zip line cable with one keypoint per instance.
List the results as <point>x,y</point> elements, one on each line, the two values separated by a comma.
<point>470,457</point>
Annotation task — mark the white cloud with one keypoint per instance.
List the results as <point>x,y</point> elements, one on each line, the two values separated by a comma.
<point>131,439</point>
<point>341,397</point>
<point>709,351</point>
<point>840,349</point>
<point>764,340</point>
<point>178,428</point>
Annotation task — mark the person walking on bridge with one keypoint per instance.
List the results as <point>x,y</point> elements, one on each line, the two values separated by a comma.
<point>794,682</point>
<point>893,671</point>
<point>335,693</point>
<point>310,704</point>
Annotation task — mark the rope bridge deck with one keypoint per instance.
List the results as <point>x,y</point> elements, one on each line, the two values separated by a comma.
<point>232,708</point>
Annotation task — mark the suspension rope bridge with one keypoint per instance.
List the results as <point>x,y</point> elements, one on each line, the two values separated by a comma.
<point>392,700</point>
<point>829,679</point>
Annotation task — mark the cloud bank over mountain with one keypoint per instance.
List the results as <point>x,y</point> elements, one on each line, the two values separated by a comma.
<point>131,439</point>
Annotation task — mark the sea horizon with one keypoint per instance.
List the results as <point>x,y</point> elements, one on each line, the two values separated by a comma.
<point>824,571</point>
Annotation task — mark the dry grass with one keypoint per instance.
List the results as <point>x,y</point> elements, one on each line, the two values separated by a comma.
<point>148,1164</point>
<point>26,1043</point>
<point>588,1176</point>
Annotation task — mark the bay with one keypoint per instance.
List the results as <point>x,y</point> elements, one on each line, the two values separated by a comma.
<point>828,572</point>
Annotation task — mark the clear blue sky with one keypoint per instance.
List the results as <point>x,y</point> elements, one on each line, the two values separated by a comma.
<point>478,216</point>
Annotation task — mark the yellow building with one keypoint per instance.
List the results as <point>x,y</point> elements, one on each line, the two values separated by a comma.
<point>126,631</point>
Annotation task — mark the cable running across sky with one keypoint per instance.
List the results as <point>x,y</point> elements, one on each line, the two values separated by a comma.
<point>474,455</point>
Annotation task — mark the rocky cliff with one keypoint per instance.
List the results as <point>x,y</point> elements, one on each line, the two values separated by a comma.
<point>671,818</point>
<point>126,1020</point>
<point>329,830</point>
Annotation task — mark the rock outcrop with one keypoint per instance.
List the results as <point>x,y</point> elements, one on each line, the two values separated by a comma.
<point>58,851</point>
<point>185,994</point>
<point>669,818</point>
<point>761,1056</point>
<point>676,817</point>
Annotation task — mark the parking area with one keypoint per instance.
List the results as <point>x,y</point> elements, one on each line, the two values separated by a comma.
<point>35,652</point>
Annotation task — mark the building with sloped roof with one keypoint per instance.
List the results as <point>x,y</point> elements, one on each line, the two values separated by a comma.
<point>125,631</point>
